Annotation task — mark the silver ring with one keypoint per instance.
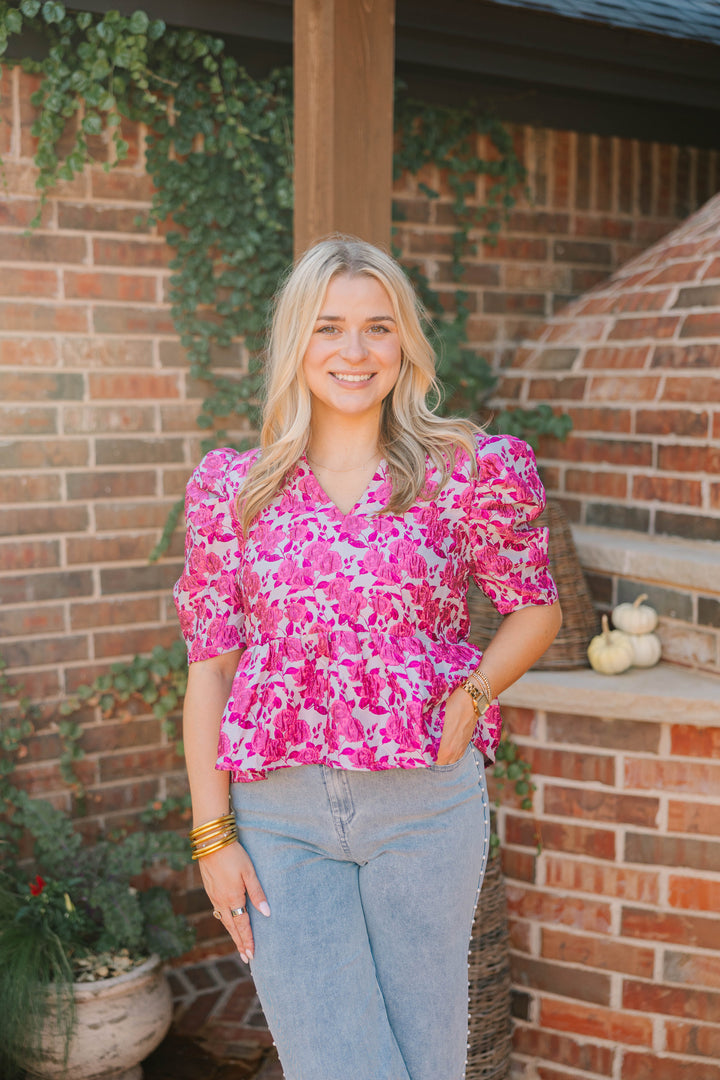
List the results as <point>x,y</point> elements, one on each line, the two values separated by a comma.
<point>217,915</point>
<point>237,911</point>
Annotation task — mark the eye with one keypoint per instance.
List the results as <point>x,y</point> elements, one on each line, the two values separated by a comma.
<point>327,330</point>
<point>379,328</point>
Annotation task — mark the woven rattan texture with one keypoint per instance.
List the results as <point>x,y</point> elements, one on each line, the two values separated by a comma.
<point>580,621</point>
<point>490,1032</point>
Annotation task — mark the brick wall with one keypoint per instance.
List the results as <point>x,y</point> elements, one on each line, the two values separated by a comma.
<point>615,936</point>
<point>97,408</point>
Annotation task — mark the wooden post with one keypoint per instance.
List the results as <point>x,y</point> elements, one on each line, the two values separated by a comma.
<point>343,70</point>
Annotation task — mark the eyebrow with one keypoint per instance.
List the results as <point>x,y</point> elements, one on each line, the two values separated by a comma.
<point>341,318</point>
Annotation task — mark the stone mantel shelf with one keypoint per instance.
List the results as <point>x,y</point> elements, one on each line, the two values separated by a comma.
<point>686,564</point>
<point>664,692</point>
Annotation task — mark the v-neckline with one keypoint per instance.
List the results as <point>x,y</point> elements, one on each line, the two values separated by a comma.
<point>325,499</point>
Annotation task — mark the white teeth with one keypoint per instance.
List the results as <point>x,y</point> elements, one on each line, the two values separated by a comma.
<point>353,378</point>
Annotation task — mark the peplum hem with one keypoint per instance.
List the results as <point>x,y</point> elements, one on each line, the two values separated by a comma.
<point>345,699</point>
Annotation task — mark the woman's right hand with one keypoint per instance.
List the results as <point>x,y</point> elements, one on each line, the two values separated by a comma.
<point>230,880</point>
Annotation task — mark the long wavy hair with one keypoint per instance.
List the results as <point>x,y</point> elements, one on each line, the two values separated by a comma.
<point>410,430</point>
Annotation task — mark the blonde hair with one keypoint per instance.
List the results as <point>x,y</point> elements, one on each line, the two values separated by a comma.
<point>409,429</point>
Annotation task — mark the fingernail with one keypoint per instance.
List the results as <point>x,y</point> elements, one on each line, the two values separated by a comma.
<point>264,908</point>
<point>250,954</point>
<point>243,957</point>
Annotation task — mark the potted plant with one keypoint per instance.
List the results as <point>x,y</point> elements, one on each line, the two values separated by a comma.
<point>83,994</point>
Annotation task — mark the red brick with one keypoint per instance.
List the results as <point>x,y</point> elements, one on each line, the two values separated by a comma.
<point>51,650</point>
<point>639,886</point>
<point>116,485</point>
<point>632,356</point>
<point>560,836</point>
<point>571,765</point>
<point>90,217</point>
<point>696,969</point>
<point>137,763</point>
<point>130,451</point>
<point>24,420</point>
<point>132,320</point>
<point>582,251</point>
<point>657,328</point>
<point>689,931</point>
<point>538,221</point>
<point>624,452</point>
<point>663,489</point>
<point>31,554</point>
<point>694,1039</point>
<point>155,578</point>
<point>584,481</point>
<point>42,317</point>
<point>20,622</point>
<point>695,778</point>
<point>693,389</point>
<point>583,278</point>
<point>39,487</point>
<point>92,285</point>
<point>520,865</point>
<point>94,353</point>
<point>19,521</point>
<point>695,742</point>
<point>706,355</point>
<point>598,952</point>
<point>560,909</point>
<point>116,548</point>
<point>41,386</point>
<point>701,324</point>
<point>569,982</point>
<point>104,613</point>
<point>522,248</point>
<point>596,1023</point>
<point>121,184</point>
<point>694,894</point>
<point>602,226</point>
<point>502,303</point>
<point>713,270</point>
<point>693,817</point>
<point>133,386</point>
<point>676,1001</point>
<point>28,352</point>
<point>563,1050</point>
<point>127,795</point>
<point>22,281</point>
<point>133,731</point>
<point>519,721</point>
<point>674,458</point>
<point>585,802</point>
<point>40,247</point>
<point>601,420</point>
<point>682,422</point>
<point>520,934</point>
<point>561,151</point>
<point>651,1067</point>
<point>133,640</point>
<point>618,388</point>
<point>89,420</point>
<point>139,253</point>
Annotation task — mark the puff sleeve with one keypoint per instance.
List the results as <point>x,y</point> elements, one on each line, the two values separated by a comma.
<point>207,595</point>
<point>505,554</point>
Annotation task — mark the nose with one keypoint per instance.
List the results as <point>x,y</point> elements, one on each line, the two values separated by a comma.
<point>354,348</point>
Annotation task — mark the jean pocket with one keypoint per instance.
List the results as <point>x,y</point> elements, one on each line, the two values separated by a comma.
<point>451,765</point>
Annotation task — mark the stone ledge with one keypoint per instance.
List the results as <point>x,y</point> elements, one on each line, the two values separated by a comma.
<point>664,692</point>
<point>692,564</point>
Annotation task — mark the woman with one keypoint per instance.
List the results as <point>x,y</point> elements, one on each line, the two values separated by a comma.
<point>332,691</point>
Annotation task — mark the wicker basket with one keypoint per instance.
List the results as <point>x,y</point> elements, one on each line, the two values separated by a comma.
<point>580,621</point>
<point>490,1032</point>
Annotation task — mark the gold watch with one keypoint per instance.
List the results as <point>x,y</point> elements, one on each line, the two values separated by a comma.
<point>479,697</point>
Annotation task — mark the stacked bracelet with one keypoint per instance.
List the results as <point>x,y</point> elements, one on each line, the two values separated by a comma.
<point>213,835</point>
<point>477,685</point>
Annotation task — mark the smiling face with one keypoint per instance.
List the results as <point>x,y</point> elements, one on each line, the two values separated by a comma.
<point>353,359</point>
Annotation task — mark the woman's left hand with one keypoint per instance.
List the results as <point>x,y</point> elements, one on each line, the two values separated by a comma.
<point>459,724</point>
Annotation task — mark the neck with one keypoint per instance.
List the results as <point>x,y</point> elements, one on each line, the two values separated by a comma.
<point>343,446</point>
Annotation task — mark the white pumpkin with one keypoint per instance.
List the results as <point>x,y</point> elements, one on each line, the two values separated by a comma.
<point>635,618</point>
<point>611,651</point>
<point>646,649</point>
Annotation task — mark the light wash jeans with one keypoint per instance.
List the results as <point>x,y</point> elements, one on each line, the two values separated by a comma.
<point>372,879</point>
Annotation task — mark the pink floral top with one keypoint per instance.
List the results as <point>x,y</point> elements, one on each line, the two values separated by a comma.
<point>354,626</point>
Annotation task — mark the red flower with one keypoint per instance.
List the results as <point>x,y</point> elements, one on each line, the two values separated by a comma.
<point>37,886</point>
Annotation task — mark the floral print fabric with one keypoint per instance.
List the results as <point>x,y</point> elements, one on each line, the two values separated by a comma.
<point>354,626</point>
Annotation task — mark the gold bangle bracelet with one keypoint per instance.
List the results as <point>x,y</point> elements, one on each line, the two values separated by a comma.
<point>209,826</point>
<point>482,678</point>
<point>199,845</point>
<point>200,854</point>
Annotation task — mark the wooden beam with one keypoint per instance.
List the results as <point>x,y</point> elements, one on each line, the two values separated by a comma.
<point>344,64</point>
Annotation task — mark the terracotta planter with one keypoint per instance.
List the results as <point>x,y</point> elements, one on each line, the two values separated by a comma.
<point>120,1021</point>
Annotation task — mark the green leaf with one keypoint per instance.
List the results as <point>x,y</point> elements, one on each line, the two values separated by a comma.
<point>53,11</point>
<point>92,124</point>
<point>13,21</point>
<point>139,22</point>
<point>29,8</point>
